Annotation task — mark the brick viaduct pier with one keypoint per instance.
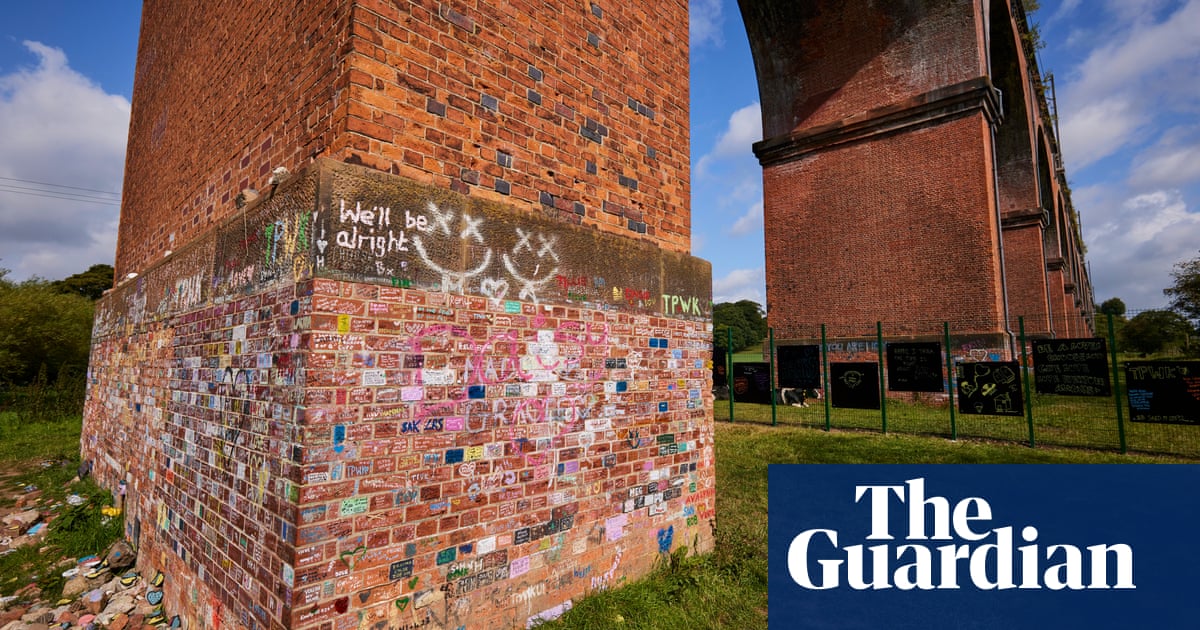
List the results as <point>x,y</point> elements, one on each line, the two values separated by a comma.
<point>406,333</point>
<point>911,170</point>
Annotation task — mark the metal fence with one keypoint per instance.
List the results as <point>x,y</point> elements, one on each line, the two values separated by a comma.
<point>1032,385</point>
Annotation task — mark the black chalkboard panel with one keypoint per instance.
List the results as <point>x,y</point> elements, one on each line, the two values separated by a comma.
<point>990,387</point>
<point>1163,391</point>
<point>799,366</point>
<point>1071,367</point>
<point>915,367</point>
<point>720,379</point>
<point>752,383</point>
<point>854,385</point>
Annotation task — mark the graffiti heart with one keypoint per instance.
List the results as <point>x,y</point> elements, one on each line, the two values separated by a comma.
<point>350,556</point>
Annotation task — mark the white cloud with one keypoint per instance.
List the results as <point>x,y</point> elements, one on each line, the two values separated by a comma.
<point>737,140</point>
<point>1063,10</point>
<point>1133,10</point>
<point>1167,164</point>
<point>727,181</point>
<point>749,222</point>
<point>61,128</point>
<point>1098,129</point>
<point>741,284</point>
<point>745,128</point>
<point>1122,85</point>
<point>1134,242</point>
<point>706,22</point>
<point>1147,47</point>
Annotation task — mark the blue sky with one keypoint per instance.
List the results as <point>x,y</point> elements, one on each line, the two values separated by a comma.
<point>1127,75</point>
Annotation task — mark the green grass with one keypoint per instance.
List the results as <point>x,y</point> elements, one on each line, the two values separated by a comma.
<point>22,441</point>
<point>75,531</point>
<point>753,355</point>
<point>45,455</point>
<point>728,587</point>
<point>1070,421</point>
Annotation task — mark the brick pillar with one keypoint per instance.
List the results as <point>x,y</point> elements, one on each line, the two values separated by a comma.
<point>448,365</point>
<point>880,196</point>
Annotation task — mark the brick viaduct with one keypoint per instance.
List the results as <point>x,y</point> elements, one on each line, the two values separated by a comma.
<point>448,366</point>
<point>911,171</point>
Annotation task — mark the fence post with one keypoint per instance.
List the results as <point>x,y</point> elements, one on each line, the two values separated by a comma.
<point>950,386</point>
<point>882,385</point>
<point>729,368</point>
<point>1025,380</point>
<point>1116,383</point>
<point>825,375</point>
<point>771,347</point>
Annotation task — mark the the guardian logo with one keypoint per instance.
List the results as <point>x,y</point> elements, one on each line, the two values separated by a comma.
<point>949,547</point>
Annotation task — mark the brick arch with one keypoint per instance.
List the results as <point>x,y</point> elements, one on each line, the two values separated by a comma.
<point>1050,204</point>
<point>806,53</point>
<point>1015,164</point>
<point>879,193</point>
<point>907,171</point>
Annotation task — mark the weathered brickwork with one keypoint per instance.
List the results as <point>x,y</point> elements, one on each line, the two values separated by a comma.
<point>910,173</point>
<point>851,260</point>
<point>1027,278</point>
<point>575,110</point>
<point>418,395</point>
<point>311,439</point>
<point>826,61</point>
<point>221,97</point>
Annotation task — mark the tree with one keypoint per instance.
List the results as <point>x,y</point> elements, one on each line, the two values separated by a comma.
<point>746,321</point>
<point>1114,309</point>
<point>1185,293</point>
<point>1150,332</point>
<point>40,326</point>
<point>90,284</point>
<point>1113,306</point>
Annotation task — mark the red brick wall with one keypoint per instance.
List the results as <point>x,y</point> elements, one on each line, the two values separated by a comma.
<point>578,109</point>
<point>1026,274</point>
<point>533,104</point>
<point>277,509</point>
<point>828,61</point>
<point>221,97</point>
<point>871,183</point>
<point>309,443</point>
<point>197,412</point>
<point>899,229</point>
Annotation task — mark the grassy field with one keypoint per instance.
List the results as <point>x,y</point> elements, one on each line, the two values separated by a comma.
<point>728,588</point>
<point>44,457</point>
<point>1072,421</point>
<point>22,441</point>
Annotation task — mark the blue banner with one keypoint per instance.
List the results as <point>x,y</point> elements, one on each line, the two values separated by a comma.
<point>984,546</point>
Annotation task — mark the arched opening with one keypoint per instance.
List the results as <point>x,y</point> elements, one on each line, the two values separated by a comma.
<point>1014,154</point>
<point>1051,217</point>
<point>878,168</point>
<point>1023,180</point>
